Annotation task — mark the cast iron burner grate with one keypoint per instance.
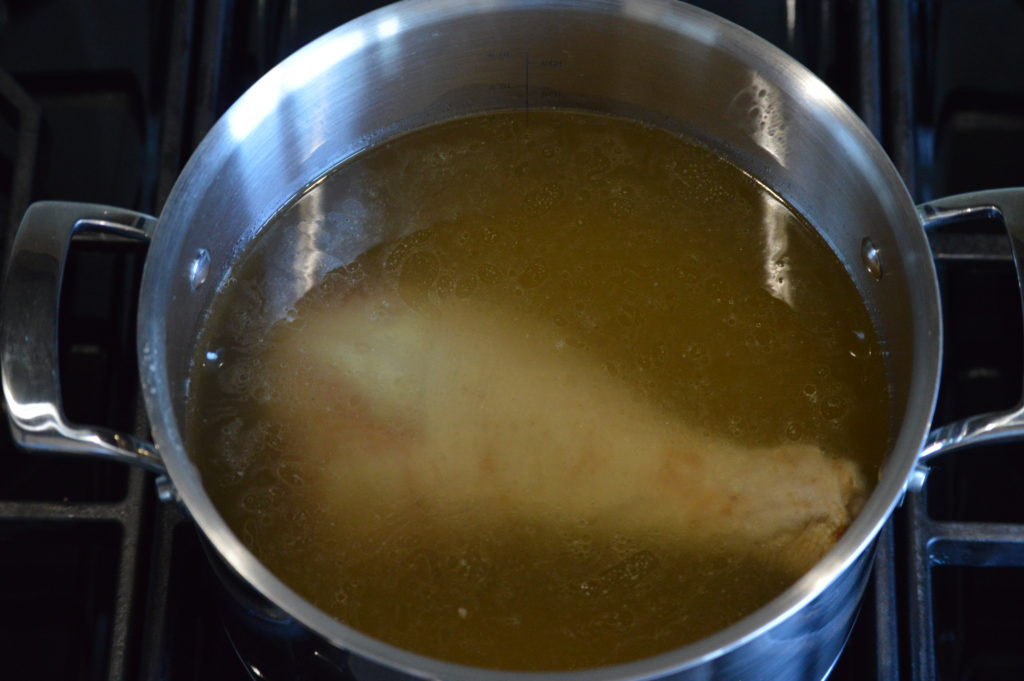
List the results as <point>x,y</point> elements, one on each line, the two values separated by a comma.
<point>19,141</point>
<point>104,103</point>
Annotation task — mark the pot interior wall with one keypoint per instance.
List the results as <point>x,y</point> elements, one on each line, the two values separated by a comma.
<point>401,68</point>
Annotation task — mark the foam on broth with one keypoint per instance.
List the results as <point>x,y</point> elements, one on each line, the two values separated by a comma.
<point>387,395</point>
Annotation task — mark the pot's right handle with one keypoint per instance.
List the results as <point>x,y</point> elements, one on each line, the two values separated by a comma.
<point>1007,205</point>
<point>29,354</point>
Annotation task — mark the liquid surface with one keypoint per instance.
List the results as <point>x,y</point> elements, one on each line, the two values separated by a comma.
<point>538,392</point>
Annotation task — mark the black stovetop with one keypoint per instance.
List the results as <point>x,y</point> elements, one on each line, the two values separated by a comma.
<point>103,101</point>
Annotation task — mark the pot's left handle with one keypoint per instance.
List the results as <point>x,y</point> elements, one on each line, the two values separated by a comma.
<point>1006,205</point>
<point>29,309</point>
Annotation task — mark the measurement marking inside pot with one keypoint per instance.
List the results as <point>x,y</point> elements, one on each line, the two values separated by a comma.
<point>526,78</point>
<point>509,54</point>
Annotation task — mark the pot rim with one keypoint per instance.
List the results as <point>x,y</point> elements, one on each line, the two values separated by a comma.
<point>687,21</point>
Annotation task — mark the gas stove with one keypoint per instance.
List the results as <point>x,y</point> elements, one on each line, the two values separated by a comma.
<point>103,101</point>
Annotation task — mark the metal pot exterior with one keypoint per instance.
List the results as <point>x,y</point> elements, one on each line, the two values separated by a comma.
<point>422,61</point>
<point>277,646</point>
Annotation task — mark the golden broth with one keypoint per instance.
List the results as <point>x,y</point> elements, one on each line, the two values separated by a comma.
<point>518,279</point>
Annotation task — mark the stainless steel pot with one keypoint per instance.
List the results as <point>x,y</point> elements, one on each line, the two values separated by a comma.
<point>422,61</point>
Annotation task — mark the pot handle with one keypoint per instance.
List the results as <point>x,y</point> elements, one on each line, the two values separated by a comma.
<point>1008,206</point>
<point>29,354</point>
